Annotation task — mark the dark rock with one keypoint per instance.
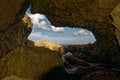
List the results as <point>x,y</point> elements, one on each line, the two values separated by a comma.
<point>102,75</point>
<point>12,12</point>
<point>78,72</point>
<point>67,65</point>
<point>75,61</point>
<point>15,35</point>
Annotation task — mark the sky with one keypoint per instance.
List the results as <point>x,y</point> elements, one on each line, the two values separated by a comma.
<point>44,30</point>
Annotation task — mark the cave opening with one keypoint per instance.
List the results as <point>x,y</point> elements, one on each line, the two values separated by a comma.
<point>99,61</point>
<point>43,30</point>
<point>74,40</point>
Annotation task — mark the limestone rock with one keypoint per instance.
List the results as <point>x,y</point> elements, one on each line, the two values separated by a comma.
<point>93,15</point>
<point>15,35</point>
<point>30,62</point>
<point>29,43</point>
<point>116,21</point>
<point>50,45</point>
<point>13,77</point>
<point>11,11</point>
<point>74,13</point>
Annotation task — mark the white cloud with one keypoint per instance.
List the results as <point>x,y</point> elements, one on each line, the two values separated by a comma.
<point>81,32</point>
<point>57,29</point>
<point>67,35</point>
<point>40,21</point>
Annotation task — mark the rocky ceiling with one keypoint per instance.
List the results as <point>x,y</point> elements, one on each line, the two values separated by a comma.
<point>91,14</point>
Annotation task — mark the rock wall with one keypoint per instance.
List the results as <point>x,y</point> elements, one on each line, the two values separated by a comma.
<point>93,15</point>
<point>16,58</point>
<point>75,13</point>
<point>116,21</point>
<point>90,14</point>
<point>13,77</point>
<point>11,11</point>
<point>15,27</point>
<point>31,62</point>
<point>15,35</point>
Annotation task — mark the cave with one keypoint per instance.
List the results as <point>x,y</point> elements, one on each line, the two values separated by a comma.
<point>92,15</point>
<point>43,30</point>
<point>99,16</point>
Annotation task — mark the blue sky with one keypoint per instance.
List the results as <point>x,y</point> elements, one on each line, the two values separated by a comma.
<point>44,30</point>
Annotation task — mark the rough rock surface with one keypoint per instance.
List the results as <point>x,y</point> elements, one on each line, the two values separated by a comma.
<point>102,75</point>
<point>31,62</point>
<point>93,15</point>
<point>13,77</point>
<point>79,69</point>
<point>90,14</point>
<point>11,11</point>
<point>15,35</point>
<point>116,21</point>
<point>50,45</point>
<point>16,58</point>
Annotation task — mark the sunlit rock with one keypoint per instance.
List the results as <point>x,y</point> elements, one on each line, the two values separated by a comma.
<point>50,45</point>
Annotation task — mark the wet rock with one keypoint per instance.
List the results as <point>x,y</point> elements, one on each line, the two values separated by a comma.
<point>79,71</point>
<point>102,75</point>
<point>75,61</point>
<point>67,65</point>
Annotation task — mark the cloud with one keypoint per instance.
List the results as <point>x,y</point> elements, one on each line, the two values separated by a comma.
<point>81,32</point>
<point>61,38</point>
<point>40,21</point>
<point>57,29</point>
<point>43,30</point>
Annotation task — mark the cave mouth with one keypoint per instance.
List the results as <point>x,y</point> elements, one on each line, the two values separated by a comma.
<point>43,30</point>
